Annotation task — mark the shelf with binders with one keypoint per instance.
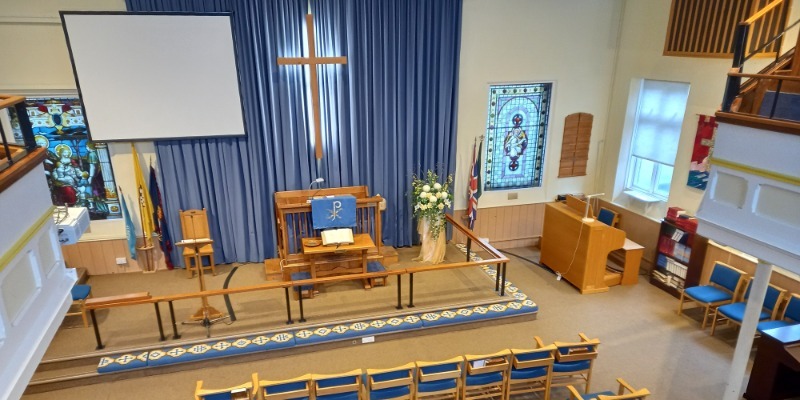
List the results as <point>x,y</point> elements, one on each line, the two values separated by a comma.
<point>679,258</point>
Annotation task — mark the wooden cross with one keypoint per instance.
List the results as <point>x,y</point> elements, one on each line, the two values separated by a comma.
<point>312,61</point>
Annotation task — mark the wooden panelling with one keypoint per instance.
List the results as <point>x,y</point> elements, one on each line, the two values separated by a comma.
<point>575,145</point>
<point>507,227</point>
<point>706,28</point>
<point>717,252</point>
<point>99,257</point>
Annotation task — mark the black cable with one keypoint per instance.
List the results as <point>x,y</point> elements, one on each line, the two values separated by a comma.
<point>227,297</point>
<point>526,259</point>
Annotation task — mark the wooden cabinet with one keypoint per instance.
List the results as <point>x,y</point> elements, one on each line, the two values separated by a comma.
<point>679,258</point>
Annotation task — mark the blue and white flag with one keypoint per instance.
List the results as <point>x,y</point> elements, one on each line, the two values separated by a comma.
<point>130,229</point>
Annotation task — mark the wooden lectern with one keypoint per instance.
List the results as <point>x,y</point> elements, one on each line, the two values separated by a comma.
<point>207,314</point>
<point>577,249</point>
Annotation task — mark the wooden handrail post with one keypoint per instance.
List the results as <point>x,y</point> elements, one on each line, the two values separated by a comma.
<point>739,52</point>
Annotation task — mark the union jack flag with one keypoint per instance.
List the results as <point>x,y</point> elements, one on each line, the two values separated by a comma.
<point>474,187</point>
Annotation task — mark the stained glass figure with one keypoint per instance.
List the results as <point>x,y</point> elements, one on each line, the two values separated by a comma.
<point>516,133</point>
<point>78,171</point>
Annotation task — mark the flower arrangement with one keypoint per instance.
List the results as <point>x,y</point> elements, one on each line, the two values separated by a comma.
<point>431,198</point>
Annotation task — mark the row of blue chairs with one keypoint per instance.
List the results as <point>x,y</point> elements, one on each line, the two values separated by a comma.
<point>498,375</point>
<point>724,300</point>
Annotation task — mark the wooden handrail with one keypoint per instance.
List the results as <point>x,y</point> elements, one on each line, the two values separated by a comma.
<point>486,246</point>
<point>7,100</point>
<point>758,15</point>
<point>766,76</point>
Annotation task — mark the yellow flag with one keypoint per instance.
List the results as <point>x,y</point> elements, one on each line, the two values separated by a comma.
<point>143,197</point>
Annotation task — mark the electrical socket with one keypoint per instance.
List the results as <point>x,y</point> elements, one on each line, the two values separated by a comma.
<point>122,261</point>
<point>368,339</point>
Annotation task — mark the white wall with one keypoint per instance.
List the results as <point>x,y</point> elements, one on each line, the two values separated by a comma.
<point>640,57</point>
<point>36,63</point>
<point>569,42</point>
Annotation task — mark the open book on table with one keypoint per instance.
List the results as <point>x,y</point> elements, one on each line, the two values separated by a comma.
<point>333,237</point>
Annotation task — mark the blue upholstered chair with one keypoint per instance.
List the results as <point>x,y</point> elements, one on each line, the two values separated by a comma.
<point>722,288</point>
<point>243,391</point>
<point>625,392</point>
<point>395,383</point>
<point>531,371</point>
<point>344,386</point>
<point>734,312</point>
<point>486,375</point>
<point>299,388</point>
<point>438,379</point>
<point>79,295</point>
<point>608,217</point>
<point>573,361</point>
<point>789,316</point>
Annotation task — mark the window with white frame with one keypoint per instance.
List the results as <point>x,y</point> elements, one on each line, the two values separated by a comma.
<point>656,133</point>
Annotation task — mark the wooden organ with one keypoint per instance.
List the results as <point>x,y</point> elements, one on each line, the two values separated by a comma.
<point>578,250</point>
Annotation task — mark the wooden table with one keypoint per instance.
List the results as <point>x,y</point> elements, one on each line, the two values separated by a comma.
<point>362,242</point>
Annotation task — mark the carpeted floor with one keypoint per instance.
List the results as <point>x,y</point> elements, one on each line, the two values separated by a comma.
<point>643,340</point>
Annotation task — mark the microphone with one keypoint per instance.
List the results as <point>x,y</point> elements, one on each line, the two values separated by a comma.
<point>586,217</point>
<point>318,180</point>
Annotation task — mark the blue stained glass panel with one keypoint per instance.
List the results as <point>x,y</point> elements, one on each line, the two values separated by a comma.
<point>516,132</point>
<point>78,171</point>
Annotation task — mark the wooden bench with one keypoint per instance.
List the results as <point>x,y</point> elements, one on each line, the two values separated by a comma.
<point>114,301</point>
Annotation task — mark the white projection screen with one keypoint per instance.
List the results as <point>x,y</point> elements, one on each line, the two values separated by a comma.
<point>155,76</point>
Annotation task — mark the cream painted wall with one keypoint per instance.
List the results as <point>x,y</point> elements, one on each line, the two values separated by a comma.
<point>46,70</point>
<point>570,42</point>
<point>640,57</point>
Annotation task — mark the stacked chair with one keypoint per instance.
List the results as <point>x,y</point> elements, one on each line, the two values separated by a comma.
<point>722,288</point>
<point>625,392</point>
<point>734,312</point>
<point>573,361</point>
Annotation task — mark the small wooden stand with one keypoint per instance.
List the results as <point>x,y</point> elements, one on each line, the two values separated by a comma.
<point>147,263</point>
<point>207,314</point>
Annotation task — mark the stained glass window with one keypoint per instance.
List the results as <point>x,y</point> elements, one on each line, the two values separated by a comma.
<point>78,171</point>
<point>515,134</point>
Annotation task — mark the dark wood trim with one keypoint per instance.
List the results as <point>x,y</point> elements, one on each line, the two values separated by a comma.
<point>21,168</point>
<point>754,121</point>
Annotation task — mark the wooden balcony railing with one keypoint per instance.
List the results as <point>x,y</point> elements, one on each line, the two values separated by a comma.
<point>15,159</point>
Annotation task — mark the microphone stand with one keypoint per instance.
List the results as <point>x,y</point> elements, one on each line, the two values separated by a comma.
<point>206,315</point>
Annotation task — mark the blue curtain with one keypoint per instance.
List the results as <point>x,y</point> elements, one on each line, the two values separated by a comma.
<point>390,112</point>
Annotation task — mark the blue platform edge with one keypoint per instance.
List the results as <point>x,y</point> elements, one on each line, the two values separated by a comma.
<point>520,305</point>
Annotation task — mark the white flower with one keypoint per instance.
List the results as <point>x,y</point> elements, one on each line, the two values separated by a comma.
<point>444,195</point>
<point>439,195</point>
<point>426,188</point>
<point>441,206</point>
<point>423,195</point>
<point>432,197</point>
<point>447,203</point>
<point>437,186</point>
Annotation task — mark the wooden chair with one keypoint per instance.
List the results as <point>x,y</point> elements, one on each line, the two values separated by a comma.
<point>625,392</point>
<point>486,376</point>
<point>79,295</point>
<point>344,386</point>
<point>194,225</point>
<point>722,288</point>
<point>531,371</point>
<point>734,312</point>
<point>241,392</point>
<point>439,379</point>
<point>289,389</point>
<point>395,383</point>
<point>608,217</point>
<point>573,361</point>
<point>789,316</point>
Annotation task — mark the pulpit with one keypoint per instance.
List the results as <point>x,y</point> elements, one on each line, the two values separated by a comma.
<point>294,223</point>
